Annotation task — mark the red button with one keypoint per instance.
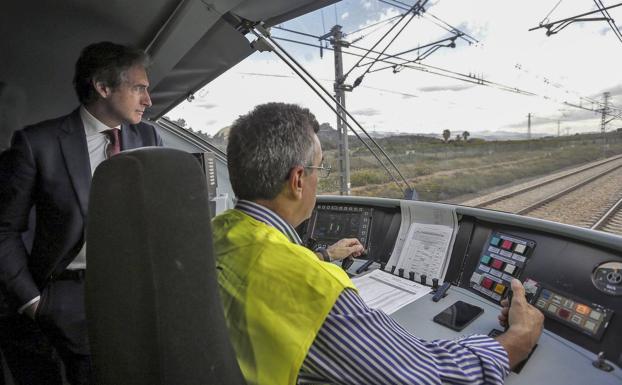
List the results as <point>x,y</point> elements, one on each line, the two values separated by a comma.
<point>487,283</point>
<point>497,264</point>
<point>563,313</point>
<point>507,245</point>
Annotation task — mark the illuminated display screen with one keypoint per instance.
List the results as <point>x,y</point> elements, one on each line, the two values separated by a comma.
<point>331,223</point>
<point>333,226</point>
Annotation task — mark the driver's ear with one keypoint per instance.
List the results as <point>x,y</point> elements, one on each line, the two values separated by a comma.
<point>295,182</point>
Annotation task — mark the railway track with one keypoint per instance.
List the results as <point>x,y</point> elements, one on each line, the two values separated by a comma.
<point>611,221</point>
<point>589,197</point>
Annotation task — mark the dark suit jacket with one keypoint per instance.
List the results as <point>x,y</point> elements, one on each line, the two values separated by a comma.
<point>48,166</point>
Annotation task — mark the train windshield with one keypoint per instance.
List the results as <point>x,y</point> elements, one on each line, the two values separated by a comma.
<point>490,105</point>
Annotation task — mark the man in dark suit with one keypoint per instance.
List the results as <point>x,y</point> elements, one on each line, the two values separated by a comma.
<point>49,167</point>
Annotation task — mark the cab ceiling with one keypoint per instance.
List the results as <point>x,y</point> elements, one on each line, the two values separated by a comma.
<point>189,40</point>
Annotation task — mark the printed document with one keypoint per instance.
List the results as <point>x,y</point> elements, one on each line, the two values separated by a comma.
<point>425,240</point>
<point>387,292</point>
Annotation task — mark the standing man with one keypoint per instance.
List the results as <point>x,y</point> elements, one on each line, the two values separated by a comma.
<point>295,319</point>
<point>49,167</point>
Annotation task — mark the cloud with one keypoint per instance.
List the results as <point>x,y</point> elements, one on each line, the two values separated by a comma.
<point>345,15</point>
<point>366,112</point>
<point>367,4</point>
<point>205,105</point>
<point>459,87</point>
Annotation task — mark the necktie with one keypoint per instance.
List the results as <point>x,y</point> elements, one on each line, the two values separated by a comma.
<point>115,142</point>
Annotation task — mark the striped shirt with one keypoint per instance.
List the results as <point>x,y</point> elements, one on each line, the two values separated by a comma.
<point>360,345</point>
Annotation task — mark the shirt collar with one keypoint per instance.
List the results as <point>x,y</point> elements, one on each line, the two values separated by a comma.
<point>269,217</point>
<point>92,125</point>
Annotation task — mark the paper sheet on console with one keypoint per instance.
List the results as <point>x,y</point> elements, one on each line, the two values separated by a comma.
<point>425,239</point>
<point>387,292</point>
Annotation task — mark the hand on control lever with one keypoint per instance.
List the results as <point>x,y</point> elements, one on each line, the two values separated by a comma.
<point>524,324</point>
<point>347,247</point>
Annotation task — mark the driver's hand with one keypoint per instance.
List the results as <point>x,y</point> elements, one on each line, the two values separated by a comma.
<point>347,247</point>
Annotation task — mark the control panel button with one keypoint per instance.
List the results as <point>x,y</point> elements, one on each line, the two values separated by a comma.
<point>506,245</point>
<point>495,241</point>
<point>476,278</point>
<point>589,325</point>
<point>568,303</point>
<point>519,248</point>
<point>553,308</point>
<point>596,315</point>
<point>485,259</point>
<point>510,269</point>
<point>563,313</point>
<point>541,303</point>
<point>576,319</point>
<point>497,264</point>
<point>583,309</point>
<point>499,288</point>
<point>487,283</point>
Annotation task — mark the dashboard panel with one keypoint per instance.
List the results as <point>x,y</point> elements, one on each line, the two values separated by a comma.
<point>572,275</point>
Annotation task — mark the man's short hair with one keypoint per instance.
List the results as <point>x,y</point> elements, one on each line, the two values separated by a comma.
<point>265,144</point>
<point>104,62</point>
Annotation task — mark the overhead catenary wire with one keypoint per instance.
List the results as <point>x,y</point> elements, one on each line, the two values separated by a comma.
<point>286,57</point>
<point>380,40</point>
<point>551,11</point>
<point>387,20</point>
<point>448,27</point>
<point>415,10</point>
<point>607,16</point>
<point>438,71</point>
<point>563,23</point>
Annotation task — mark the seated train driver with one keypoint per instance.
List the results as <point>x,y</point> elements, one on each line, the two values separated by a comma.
<point>295,319</point>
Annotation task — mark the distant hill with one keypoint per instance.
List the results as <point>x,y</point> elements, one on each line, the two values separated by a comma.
<point>505,135</point>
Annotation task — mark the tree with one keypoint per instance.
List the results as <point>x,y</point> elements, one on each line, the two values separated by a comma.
<point>446,135</point>
<point>466,135</point>
<point>181,122</point>
<point>458,137</point>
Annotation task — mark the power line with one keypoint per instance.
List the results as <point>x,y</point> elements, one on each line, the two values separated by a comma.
<point>374,24</point>
<point>556,26</point>
<point>415,10</point>
<point>551,11</point>
<point>468,78</point>
<point>449,28</point>
<point>606,14</point>
<point>386,34</point>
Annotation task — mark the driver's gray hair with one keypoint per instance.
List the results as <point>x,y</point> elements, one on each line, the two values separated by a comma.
<point>265,144</point>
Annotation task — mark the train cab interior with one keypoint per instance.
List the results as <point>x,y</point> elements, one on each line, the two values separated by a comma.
<point>440,252</point>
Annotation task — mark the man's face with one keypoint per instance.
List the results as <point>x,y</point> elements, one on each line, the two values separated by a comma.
<point>311,177</point>
<point>128,101</point>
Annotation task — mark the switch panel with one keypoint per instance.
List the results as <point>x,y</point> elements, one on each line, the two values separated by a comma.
<point>503,258</point>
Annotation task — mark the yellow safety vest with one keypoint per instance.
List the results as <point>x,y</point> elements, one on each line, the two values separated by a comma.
<point>275,293</point>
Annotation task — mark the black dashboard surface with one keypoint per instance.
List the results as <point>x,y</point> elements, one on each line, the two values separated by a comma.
<point>562,267</point>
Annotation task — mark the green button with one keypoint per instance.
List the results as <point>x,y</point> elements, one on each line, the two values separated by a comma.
<point>485,259</point>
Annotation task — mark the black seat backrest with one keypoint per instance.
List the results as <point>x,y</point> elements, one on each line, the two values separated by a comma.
<point>152,300</point>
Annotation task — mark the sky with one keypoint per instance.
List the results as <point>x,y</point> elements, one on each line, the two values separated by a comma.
<point>576,65</point>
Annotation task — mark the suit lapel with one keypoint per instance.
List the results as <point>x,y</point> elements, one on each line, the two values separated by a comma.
<point>129,137</point>
<point>76,155</point>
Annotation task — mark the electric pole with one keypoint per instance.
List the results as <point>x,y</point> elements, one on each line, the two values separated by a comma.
<point>529,126</point>
<point>603,121</point>
<point>340,95</point>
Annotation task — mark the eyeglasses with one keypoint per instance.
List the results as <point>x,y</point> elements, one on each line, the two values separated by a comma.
<point>323,170</point>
